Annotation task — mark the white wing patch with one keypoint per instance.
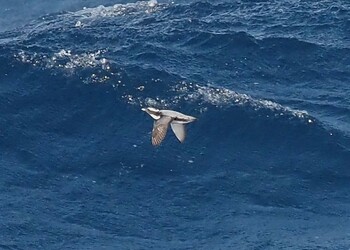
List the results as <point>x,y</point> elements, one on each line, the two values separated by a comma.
<point>179,131</point>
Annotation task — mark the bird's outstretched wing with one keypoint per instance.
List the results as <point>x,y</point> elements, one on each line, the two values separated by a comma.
<point>160,128</point>
<point>179,131</point>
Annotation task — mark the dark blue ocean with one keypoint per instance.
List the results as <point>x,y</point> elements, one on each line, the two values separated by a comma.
<point>266,165</point>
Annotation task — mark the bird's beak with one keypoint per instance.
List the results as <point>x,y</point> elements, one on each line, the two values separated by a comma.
<point>143,109</point>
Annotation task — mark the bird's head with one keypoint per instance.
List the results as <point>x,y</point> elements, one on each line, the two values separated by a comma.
<point>155,113</point>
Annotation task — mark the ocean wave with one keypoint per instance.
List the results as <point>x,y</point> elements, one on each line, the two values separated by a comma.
<point>96,68</point>
<point>167,72</point>
<point>266,80</point>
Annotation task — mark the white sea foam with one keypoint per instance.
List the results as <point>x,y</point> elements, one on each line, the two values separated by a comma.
<point>117,10</point>
<point>65,59</point>
<point>70,62</point>
<point>221,97</point>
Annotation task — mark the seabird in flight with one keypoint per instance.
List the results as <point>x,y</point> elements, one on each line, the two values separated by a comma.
<point>162,119</point>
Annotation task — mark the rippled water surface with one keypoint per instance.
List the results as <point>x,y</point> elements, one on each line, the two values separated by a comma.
<point>265,166</point>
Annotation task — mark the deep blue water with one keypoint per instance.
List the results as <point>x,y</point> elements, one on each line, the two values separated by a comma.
<point>265,166</point>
